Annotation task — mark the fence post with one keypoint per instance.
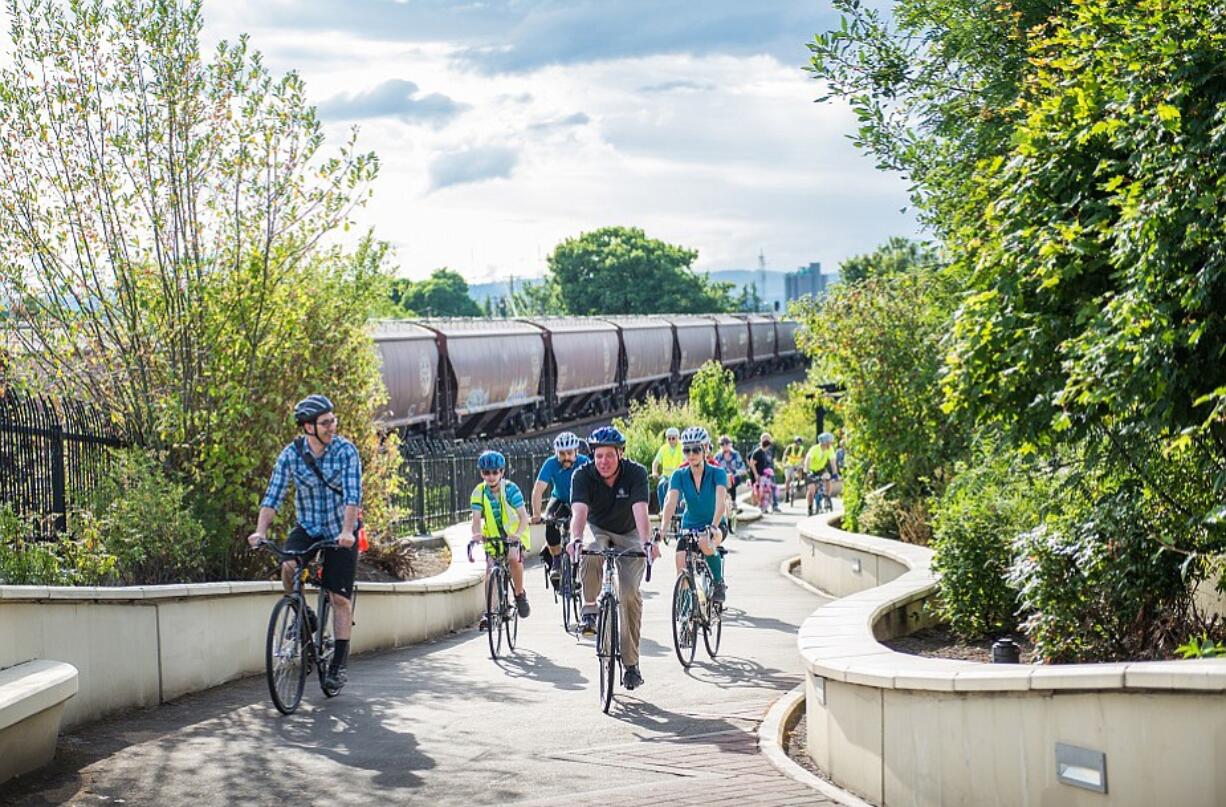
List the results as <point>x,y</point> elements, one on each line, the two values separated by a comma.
<point>58,496</point>
<point>455,483</point>
<point>421,496</point>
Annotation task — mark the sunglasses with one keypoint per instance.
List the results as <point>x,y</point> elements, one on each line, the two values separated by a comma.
<point>692,450</point>
<point>326,422</point>
<point>491,473</point>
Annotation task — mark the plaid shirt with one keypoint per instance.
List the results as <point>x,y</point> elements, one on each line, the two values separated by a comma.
<point>320,511</point>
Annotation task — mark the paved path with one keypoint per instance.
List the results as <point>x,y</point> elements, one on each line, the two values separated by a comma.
<point>441,723</point>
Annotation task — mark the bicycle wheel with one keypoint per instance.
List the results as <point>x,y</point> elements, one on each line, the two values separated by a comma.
<point>493,611</point>
<point>683,619</point>
<point>569,615</point>
<point>325,641</point>
<point>606,652</point>
<point>510,620</point>
<point>285,654</point>
<point>713,629</point>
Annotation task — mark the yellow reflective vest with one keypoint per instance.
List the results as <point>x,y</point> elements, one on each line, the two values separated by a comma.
<point>489,523</point>
<point>670,458</point>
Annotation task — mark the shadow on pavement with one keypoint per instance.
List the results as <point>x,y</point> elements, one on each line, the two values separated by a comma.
<point>736,672</point>
<point>737,617</point>
<point>530,664</point>
<point>663,722</point>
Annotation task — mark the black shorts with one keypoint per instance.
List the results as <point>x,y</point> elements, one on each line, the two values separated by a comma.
<point>555,509</point>
<point>340,565</point>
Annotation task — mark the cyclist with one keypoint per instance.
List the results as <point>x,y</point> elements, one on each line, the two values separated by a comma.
<point>821,459</point>
<point>498,512</point>
<point>762,467</point>
<point>556,474</point>
<point>730,460</point>
<point>668,459</point>
<point>610,492</point>
<point>793,464</point>
<point>327,475</point>
<point>704,488</point>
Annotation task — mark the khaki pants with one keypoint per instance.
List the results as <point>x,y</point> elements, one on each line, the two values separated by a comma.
<point>629,576</point>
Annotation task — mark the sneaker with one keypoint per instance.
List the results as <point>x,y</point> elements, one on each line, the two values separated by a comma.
<point>521,605</point>
<point>336,679</point>
<point>719,592</point>
<point>484,624</point>
<point>555,573</point>
<point>587,625</point>
<point>775,509</point>
<point>632,679</point>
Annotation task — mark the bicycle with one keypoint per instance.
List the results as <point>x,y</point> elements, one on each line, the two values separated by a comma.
<point>296,636</point>
<point>501,615</point>
<point>608,637</point>
<point>570,590</point>
<point>765,487</point>
<point>693,607</point>
<point>794,479</point>
<point>822,502</point>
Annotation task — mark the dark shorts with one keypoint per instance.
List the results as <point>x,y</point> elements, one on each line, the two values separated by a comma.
<point>555,509</point>
<point>340,565</point>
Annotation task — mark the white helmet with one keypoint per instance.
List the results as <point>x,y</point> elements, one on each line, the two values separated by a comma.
<point>672,431</point>
<point>695,436</point>
<point>566,441</point>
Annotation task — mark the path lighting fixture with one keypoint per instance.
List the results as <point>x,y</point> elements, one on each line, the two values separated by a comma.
<point>855,565</point>
<point>1006,651</point>
<point>819,689</point>
<point>1081,767</point>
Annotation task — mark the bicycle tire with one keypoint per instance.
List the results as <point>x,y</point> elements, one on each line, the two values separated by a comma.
<point>510,623</point>
<point>606,652</point>
<point>568,586</point>
<point>713,628</point>
<point>287,679</point>
<point>684,604</point>
<point>325,642</point>
<point>493,612</point>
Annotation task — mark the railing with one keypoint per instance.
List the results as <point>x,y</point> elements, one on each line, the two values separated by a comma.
<point>51,452</point>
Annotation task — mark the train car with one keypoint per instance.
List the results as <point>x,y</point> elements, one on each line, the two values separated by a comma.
<point>788,353</point>
<point>761,342</point>
<point>647,357</point>
<point>582,365</point>
<point>491,376</point>
<point>733,343</point>
<point>408,354</point>
<point>696,345</point>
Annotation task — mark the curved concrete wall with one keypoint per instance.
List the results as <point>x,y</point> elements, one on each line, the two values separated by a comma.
<point>906,730</point>
<point>140,646</point>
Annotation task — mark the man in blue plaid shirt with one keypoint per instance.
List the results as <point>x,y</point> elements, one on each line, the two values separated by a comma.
<point>327,476</point>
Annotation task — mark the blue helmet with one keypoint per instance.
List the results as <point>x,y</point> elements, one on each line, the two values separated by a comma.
<point>491,461</point>
<point>606,436</point>
<point>310,408</point>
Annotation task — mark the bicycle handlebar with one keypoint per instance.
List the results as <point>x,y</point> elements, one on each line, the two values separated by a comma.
<point>621,553</point>
<point>503,541</point>
<point>296,554</point>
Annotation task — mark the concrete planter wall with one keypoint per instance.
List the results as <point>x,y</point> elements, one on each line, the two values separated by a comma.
<point>906,730</point>
<point>140,646</point>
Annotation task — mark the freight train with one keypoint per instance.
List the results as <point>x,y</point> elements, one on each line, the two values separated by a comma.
<point>487,377</point>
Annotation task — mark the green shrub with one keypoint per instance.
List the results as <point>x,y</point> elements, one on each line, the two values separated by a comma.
<point>64,562</point>
<point>713,395</point>
<point>762,408</point>
<point>645,425</point>
<point>1093,582</point>
<point>142,518</point>
<point>746,431</point>
<point>975,524</point>
<point>877,515</point>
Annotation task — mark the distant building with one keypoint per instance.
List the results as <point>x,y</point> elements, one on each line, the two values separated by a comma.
<point>807,281</point>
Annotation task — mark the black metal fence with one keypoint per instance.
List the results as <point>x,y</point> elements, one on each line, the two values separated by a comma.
<point>50,453</point>
<point>440,477</point>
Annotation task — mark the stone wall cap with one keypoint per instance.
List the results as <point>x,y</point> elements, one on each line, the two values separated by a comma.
<point>32,687</point>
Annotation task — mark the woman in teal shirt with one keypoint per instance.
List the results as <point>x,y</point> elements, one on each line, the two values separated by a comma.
<point>704,488</point>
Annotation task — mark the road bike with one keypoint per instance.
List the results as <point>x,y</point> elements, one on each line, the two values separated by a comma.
<point>608,637</point>
<point>299,639</point>
<point>694,609</point>
<point>501,615</point>
<point>570,588</point>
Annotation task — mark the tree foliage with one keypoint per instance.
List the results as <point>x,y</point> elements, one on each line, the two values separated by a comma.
<point>895,256</point>
<point>161,223</point>
<point>443,294</point>
<point>619,270</point>
<point>713,395</point>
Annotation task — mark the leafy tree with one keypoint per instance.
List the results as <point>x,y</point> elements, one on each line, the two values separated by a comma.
<point>895,256</point>
<point>443,294</point>
<point>713,395</point>
<point>619,270</point>
<point>160,226</point>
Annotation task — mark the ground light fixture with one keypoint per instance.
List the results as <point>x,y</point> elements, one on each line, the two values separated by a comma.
<point>1081,767</point>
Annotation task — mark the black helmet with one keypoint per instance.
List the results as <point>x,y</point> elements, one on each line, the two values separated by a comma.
<point>310,408</point>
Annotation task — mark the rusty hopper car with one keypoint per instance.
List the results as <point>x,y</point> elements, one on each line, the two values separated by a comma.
<point>409,356</point>
<point>733,343</point>
<point>761,343</point>
<point>583,359</point>
<point>696,345</point>
<point>647,357</point>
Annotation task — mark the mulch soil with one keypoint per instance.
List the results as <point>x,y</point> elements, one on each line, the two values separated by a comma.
<point>940,642</point>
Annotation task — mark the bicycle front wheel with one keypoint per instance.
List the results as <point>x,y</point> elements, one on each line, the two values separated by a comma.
<point>285,661</point>
<point>569,614</point>
<point>683,619</point>
<point>325,640</point>
<point>606,652</point>
<point>493,612</point>
<point>713,630</point>
<point>510,621</point>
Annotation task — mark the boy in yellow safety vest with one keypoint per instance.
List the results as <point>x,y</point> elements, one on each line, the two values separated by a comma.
<point>499,512</point>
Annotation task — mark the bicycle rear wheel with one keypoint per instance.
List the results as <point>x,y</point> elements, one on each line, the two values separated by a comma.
<point>606,652</point>
<point>493,611</point>
<point>713,630</point>
<point>285,654</point>
<point>325,641</point>
<point>569,614</point>
<point>684,639</point>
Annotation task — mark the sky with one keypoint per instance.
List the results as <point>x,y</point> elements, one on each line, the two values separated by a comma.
<point>505,126</point>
